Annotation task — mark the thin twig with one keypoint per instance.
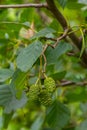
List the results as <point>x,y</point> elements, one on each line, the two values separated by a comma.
<point>49,38</point>
<point>59,38</point>
<point>45,63</point>
<point>45,60</point>
<point>45,47</point>
<point>71,54</point>
<point>42,5</point>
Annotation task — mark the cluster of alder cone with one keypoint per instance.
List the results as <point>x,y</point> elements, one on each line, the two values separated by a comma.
<point>42,94</point>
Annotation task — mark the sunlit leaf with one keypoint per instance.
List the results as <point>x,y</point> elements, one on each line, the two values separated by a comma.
<point>11,28</point>
<point>13,25</point>
<point>6,119</point>
<point>83,43</point>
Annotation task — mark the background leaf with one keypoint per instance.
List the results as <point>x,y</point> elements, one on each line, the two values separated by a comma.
<point>12,28</point>
<point>58,75</point>
<point>5,74</point>
<point>37,123</point>
<point>6,119</point>
<point>63,3</point>
<point>9,101</point>
<point>82,126</point>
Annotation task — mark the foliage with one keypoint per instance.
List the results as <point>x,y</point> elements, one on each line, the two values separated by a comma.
<point>42,86</point>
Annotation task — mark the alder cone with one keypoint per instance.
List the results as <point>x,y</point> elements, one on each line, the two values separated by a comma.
<point>33,93</point>
<point>45,98</point>
<point>50,85</point>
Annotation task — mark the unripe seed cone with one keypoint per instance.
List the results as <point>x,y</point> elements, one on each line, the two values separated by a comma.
<point>45,98</point>
<point>33,93</point>
<point>49,83</point>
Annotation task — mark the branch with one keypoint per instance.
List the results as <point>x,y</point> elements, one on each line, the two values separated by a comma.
<point>70,83</point>
<point>24,6</point>
<point>58,15</point>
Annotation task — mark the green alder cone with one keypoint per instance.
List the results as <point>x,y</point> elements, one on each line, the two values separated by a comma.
<point>50,85</point>
<point>45,98</point>
<point>33,93</point>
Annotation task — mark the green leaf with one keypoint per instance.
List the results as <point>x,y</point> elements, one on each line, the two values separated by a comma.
<point>75,5</point>
<point>83,1</point>
<point>82,126</point>
<point>38,123</point>
<point>5,94</point>
<point>43,33</point>
<point>5,74</point>
<point>29,55</point>
<point>13,25</point>
<point>83,108</point>
<point>6,119</point>
<point>63,3</point>
<point>1,122</point>
<point>83,42</point>
<point>28,14</point>
<point>15,104</point>
<point>49,129</point>
<point>9,101</point>
<point>52,55</point>
<point>18,79</point>
<point>76,95</point>
<point>11,29</point>
<point>58,115</point>
<point>58,75</point>
<point>17,83</point>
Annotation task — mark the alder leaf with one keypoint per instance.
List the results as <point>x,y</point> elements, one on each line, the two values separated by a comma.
<point>63,3</point>
<point>28,56</point>
<point>8,99</point>
<point>58,115</point>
